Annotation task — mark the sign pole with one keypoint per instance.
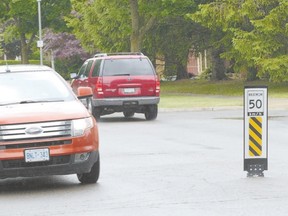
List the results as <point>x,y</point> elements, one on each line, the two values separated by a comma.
<point>255,130</point>
<point>40,42</point>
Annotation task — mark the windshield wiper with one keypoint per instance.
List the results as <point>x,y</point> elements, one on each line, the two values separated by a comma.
<point>38,101</point>
<point>30,101</point>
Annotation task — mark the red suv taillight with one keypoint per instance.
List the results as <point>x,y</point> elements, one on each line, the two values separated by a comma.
<point>99,88</point>
<point>157,91</point>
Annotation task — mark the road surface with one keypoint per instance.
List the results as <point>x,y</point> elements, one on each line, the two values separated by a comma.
<point>184,163</point>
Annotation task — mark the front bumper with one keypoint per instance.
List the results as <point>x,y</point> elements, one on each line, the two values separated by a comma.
<point>105,102</point>
<point>60,165</point>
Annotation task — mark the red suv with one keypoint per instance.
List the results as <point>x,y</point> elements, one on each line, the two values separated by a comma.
<point>121,82</point>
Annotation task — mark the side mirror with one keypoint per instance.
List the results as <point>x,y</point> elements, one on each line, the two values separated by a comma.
<point>84,92</point>
<point>73,76</point>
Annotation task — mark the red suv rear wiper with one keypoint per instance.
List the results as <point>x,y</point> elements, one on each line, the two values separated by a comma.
<point>121,74</point>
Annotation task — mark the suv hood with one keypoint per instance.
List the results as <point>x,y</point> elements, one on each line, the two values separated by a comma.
<point>40,112</point>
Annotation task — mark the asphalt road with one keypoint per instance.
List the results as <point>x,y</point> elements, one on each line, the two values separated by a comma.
<point>184,163</point>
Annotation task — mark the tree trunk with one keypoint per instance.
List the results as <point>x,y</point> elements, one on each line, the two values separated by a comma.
<point>24,49</point>
<point>218,66</point>
<point>169,68</point>
<point>135,37</point>
<point>138,32</point>
<point>181,71</point>
<point>135,43</point>
<point>251,74</point>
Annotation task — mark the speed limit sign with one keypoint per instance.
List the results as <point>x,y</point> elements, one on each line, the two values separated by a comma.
<point>255,130</point>
<point>255,100</point>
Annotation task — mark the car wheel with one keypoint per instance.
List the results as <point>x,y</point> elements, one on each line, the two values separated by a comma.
<point>96,113</point>
<point>92,176</point>
<point>151,112</point>
<point>128,114</point>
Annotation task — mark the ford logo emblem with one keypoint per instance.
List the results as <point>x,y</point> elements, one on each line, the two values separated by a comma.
<point>33,130</point>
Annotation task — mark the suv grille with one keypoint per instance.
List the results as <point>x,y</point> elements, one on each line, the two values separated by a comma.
<point>36,144</point>
<point>35,130</point>
<point>10,164</point>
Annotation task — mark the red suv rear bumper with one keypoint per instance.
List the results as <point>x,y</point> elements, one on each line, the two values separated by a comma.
<point>121,101</point>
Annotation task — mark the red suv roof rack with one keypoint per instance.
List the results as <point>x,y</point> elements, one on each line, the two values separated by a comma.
<point>117,53</point>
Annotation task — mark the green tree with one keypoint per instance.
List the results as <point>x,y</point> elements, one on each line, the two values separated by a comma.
<point>152,26</point>
<point>118,25</point>
<point>1,42</point>
<point>255,31</point>
<point>172,38</point>
<point>100,25</point>
<point>112,25</point>
<point>21,20</point>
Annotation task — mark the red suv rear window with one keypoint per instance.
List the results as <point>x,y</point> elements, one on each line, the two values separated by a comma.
<point>127,67</point>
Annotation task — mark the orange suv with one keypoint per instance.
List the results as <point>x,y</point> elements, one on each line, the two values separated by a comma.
<point>44,128</point>
<point>121,82</point>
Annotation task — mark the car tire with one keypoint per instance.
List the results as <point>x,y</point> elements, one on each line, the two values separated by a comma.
<point>151,112</point>
<point>92,176</point>
<point>128,114</point>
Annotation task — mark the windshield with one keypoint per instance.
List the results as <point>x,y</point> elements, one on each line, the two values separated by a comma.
<point>31,87</point>
<point>127,67</point>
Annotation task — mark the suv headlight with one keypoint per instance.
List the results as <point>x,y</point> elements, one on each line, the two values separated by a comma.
<point>79,126</point>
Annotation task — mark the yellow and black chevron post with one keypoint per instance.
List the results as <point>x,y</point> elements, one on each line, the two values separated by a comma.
<point>255,136</point>
<point>255,130</point>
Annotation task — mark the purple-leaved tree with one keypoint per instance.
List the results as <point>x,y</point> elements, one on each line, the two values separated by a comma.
<point>67,52</point>
<point>64,45</point>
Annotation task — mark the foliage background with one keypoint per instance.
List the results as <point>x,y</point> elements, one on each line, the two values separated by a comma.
<point>247,37</point>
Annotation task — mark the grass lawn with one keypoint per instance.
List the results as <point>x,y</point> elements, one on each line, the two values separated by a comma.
<point>194,101</point>
<point>199,93</point>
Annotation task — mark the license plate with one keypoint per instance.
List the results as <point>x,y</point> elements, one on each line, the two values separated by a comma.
<point>130,103</point>
<point>129,90</point>
<point>36,155</point>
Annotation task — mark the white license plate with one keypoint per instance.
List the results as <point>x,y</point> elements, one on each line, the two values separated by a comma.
<point>129,90</point>
<point>36,155</point>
